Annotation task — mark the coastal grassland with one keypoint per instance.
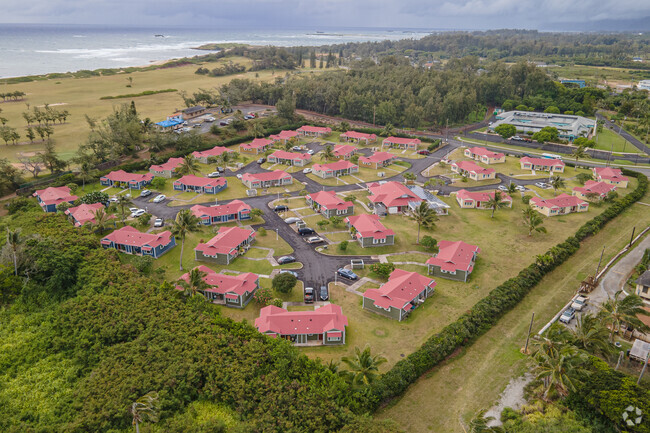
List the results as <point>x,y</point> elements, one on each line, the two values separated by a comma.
<point>473,379</point>
<point>600,73</point>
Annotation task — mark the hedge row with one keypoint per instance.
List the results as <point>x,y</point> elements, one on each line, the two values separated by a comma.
<point>485,313</point>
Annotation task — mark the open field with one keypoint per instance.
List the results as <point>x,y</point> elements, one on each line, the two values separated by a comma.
<point>602,74</point>
<point>609,140</point>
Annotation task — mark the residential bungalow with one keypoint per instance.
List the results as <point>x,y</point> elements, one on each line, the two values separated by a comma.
<point>542,164</point>
<point>314,131</point>
<point>391,197</point>
<point>236,210</point>
<point>358,137</point>
<point>560,205</point>
<point>84,213</point>
<point>215,152</point>
<point>439,206</point>
<point>172,123</point>
<point>473,170</point>
<point>267,179</point>
<point>222,249</point>
<point>121,178</point>
<point>612,176</point>
<point>131,241</point>
<point>289,158</point>
<point>231,291</point>
<point>403,292</point>
<point>167,169</point>
<point>485,156</point>
<point>377,160</point>
<point>192,112</point>
<point>369,231</point>
<point>454,261</point>
<point>329,204</point>
<point>202,185</point>
<point>643,285</point>
<point>50,198</point>
<point>402,143</point>
<point>344,151</point>
<point>257,146</point>
<point>335,169</point>
<point>325,325</point>
<point>283,136</point>
<point>594,187</point>
<point>479,200</point>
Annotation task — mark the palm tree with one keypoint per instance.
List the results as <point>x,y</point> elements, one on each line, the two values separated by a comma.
<point>13,242</point>
<point>617,310</point>
<point>559,370</point>
<point>512,188</point>
<point>388,130</point>
<point>533,220</point>
<point>184,223</point>
<point>327,153</point>
<point>123,202</point>
<point>496,202</point>
<point>195,283</point>
<point>590,335</point>
<point>145,409</point>
<point>557,183</point>
<point>256,129</point>
<point>479,424</point>
<point>101,220</point>
<point>423,215</point>
<point>86,172</point>
<point>363,368</point>
<point>188,166</point>
<point>579,152</point>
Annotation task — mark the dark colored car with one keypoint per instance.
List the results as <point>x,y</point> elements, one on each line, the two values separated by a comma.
<point>309,295</point>
<point>261,160</point>
<point>346,273</point>
<point>281,208</point>
<point>323,294</point>
<point>221,169</point>
<point>286,259</point>
<point>424,152</point>
<point>306,231</point>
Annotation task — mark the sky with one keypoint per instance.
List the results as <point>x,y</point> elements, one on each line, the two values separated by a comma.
<point>426,14</point>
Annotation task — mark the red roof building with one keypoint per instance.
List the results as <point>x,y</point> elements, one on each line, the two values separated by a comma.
<point>377,160</point>
<point>131,241</point>
<point>284,136</point>
<point>289,158</point>
<point>542,164</point>
<point>167,169</point>
<point>403,292</point>
<point>369,231</point>
<point>612,176</point>
<point>314,131</point>
<point>124,179</point>
<point>358,137</point>
<point>215,152</point>
<point>236,210</point>
<point>50,198</point>
<point>225,246</point>
<point>325,325</point>
<point>484,155</point>
<point>402,143</point>
<point>267,179</point>
<point>329,204</point>
<point>84,213</point>
<point>560,205</point>
<point>478,200</point>
<point>594,187</point>
<point>231,291</point>
<point>473,170</point>
<point>344,151</point>
<point>200,184</point>
<point>454,261</point>
<point>392,197</point>
<point>257,146</point>
<point>335,169</point>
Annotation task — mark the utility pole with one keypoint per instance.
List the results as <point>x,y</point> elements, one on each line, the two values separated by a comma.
<point>530,328</point>
<point>600,261</point>
<point>645,364</point>
<point>374,113</point>
<point>632,237</point>
<point>620,358</point>
<point>447,132</point>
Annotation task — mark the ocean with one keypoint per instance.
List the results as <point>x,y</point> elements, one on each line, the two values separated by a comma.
<point>32,49</point>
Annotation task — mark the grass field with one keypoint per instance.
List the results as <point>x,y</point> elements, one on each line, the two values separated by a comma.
<point>609,140</point>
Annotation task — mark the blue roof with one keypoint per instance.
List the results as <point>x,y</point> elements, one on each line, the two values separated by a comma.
<point>172,121</point>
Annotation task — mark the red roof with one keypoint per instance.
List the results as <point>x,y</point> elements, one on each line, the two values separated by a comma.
<point>128,235</point>
<point>171,165</point>
<point>344,149</point>
<point>542,161</point>
<point>226,240</point>
<point>401,140</point>
<point>609,173</point>
<point>402,288</point>
<point>282,154</point>
<point>562,200</point>
<point>257,143</point>
<point>123,176</point>
<point>481,196</point>
<point>55,195</point>
<point>279,321</point>
<point>315,129</point>
<point>392,194</point>
<point>266,176</point>
<point>233,207</point>
<point>368,226</point>
<point>334,166</point>
<point>329,200</point>
<point>358,135</point>
<point>592,186</point>
<point>284,135</point>
<point>454,256</point>
<point>197,181</point>
<point>84,213</point>
<point>473,167</point>
<point>377,157</point>
<point>225,284</point>
<point>482,151</point>
<point>215,151</point>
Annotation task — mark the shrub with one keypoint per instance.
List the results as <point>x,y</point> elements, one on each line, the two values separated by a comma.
<point>343,246</point>
<point>94,197</point>
<point>276,302</point>
<point>525,199</point>
<point>428,242</point>
<point>382,269</point>
<point>261,231</point>
<point>158,183</point>
<point>262,296</point>
<point>284,283</point>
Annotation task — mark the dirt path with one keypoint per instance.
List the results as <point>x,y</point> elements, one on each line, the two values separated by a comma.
<point>512,397</point>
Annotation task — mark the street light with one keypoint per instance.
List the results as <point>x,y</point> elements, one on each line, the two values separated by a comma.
<point>277,234</point>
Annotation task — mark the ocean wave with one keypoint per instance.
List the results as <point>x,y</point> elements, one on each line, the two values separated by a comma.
<point>103,53</point>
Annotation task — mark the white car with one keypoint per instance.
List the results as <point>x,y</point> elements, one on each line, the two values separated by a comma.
<point>314,240</point>
<point>137,213</point>
<point>133,209</point>
<point>159,198</point>
<point>503,188</point>
<point>210,119</point>
<point>296,148</point>
<point>541,185</point>
<point>521,188</point>
<point>159,222</point>
<point>113,199</point>
<point>579,303</point>
<point>306,170</point>
<point>214,174</point>
<point>291,220</point>
<point>310,151</point>
<point>239,176</point>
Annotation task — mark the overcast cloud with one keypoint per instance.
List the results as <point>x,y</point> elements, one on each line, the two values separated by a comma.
<point>429,14</point>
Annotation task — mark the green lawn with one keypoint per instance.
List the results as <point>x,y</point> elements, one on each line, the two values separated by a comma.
<point>610,141</point>
<point>287,168</point>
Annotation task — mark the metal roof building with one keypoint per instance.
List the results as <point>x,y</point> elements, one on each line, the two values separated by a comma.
<point>569,127</point>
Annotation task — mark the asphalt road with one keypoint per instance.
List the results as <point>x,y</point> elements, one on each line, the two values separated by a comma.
<point>623,133</point>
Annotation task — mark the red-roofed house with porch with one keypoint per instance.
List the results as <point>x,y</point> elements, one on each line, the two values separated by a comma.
<point>215,152</point>
<point>257,146</point>
<point>314,131</point>
<point>289,158</point>
<point>236,210</point>
<point>612,176</point>
<point>131,241</point>
<point>229,243</point>
<point>325,325</point>
<point>231,291</point>
<point>594,187</point>
<point>473,170</point>
<point>560,205</point>
<point>396,298</point>
<point>167,169</point>
<point>542,164</point>
<point>283,136</point>
<point>369,231</point>
<point>84,213</point>
<point>334,169</point>
<point>358,137</point>
<point>200,184</point>
<point>267,179</point>
<point>344,151</point>
<point>50,198</point>
<point>478,200</point>
<point>454,261</point>
<point>377,160</point>
<point>121,178</point>
<point>329,204</point>
<point>485,156</point>
<point>391,197</point>
<point>402,143</point>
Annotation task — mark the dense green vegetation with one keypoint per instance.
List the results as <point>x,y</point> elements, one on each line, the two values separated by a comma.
<point>135,95</point>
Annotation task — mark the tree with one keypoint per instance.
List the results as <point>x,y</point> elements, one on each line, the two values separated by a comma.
<point>322,223</point>
<point>388,130</point>
<point>336,220</point>
<point>256,129</point>
<point>546,134</point>
<point>408,176</point>
<point>579,152</point>
<point>145,409</point>
<point>158,183</point>
<point>382,269</point>
<point>512,188</point>
<point>558,369</point>
<point>363,367</point>
<point>505,130</point>
<point>584,177</point>
<point>31,164</point>
<point>423,215</point>
<point>557,183</point>
<point>189,166</point>
<point>101,220</point>
<point>30,134</point>
<point>86,172</point>
<point>618,310</point>
<point>123,202</point>
<point>95,197</point>
<point>479,424</point>
<point>263,296</point>
<point>184,223</point>
<point>312,59</point>
<point>495,202</point>
<point>50,159</point>
<point>590,335</point>
<point>343,245</point>
<point>428,242</point>
<point>286,108</point>
<point>284,282</point>
<point>327,153</point>
<point>533,221</point>
<point>195,283</point>
<point>13,243</point>
<point>552,109</point>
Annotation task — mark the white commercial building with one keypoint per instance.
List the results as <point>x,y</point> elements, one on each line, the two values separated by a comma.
<point>569,127</point>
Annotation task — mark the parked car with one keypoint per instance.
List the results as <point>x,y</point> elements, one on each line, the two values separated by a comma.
<point>310,151</point>
<point>291,220</point>
<point>248,117</point>
<point>521,188</point>
<point>127,195</point>
<point>540,184</point>
<point>296,148</point>
<point>145,193</point>
<point>210,119</point>
<point>516,138</point>
<point>133,209</point>
<point>346,273</point>
<point>221,169</point>
<point>306,231</point>
<point>112,200</point>
<point>196,125</point>
<point>579,303</point>
<point>502,188</point>
<point>324,294</point>
<point>214,174</point>
<point>287,271</point>
<point>159,222</point>
<point>424,152</point>
<point>281,208</point>
<point>309,295</point>
<point>286,259</point>
<point>261,160</point>
<point>223,123</point>
<point>239,176</point>
<point>568,315</point>
<point>137,213</point>
<point>314,240</point>
<point>306,170</point>
<point>159,198</point>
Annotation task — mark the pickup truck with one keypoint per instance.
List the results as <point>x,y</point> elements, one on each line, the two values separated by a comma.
<point>579,303</point>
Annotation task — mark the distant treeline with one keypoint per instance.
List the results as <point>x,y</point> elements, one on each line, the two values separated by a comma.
<point>135,95</point>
